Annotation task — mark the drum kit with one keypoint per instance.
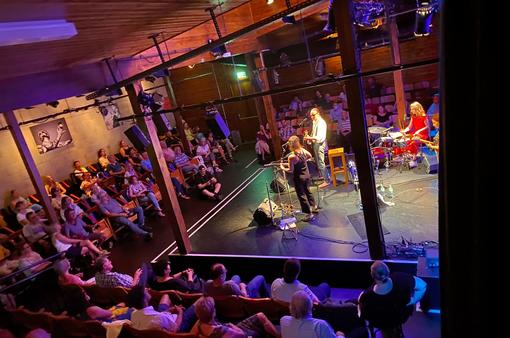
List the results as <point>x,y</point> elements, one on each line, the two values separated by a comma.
<point>389,148</point>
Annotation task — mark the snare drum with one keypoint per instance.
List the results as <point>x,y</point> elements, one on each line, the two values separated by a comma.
<point>386,142</point>
<point>376,132</point>
<point>378,153</point>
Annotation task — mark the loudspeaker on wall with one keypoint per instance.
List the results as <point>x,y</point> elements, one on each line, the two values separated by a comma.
<point>218,126</point>
<point>137,138</point>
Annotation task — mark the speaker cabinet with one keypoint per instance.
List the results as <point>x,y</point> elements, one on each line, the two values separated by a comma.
<point>137,138</point>
<point>430,161</point>
<point>162,123</point>
<point>218,126</point>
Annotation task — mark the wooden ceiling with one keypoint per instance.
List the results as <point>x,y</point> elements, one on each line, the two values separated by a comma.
<point>106,28</point>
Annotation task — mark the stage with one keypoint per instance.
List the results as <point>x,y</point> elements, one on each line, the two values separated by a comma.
<point>337,232</point>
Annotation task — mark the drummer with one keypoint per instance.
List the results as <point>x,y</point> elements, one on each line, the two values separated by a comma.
<point>418,128</point>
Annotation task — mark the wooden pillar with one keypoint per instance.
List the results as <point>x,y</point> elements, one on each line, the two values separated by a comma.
<point>269,108</point>
<point>160,170</point>
<point>259,103</point>
<point>179,123</point>
<point>400,95</point>
<point>351,64</point>
<point>30,166</point>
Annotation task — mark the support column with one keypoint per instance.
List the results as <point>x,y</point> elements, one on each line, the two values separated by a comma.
<point>30,166</point>
<point>259,103</point>
<point>400,95</point>
<point>171,95</point>
<point>351,64</point>
<point>269,108</point>
<point>170,203</point>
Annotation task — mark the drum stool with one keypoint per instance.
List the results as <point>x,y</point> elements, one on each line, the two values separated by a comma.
<point>332,154</point>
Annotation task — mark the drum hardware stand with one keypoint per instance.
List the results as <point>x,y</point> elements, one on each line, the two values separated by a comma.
<point>353,171</point>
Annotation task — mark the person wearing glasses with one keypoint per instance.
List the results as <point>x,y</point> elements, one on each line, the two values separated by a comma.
<point>318,139</point>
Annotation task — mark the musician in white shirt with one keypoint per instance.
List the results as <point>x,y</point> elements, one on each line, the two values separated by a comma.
<point>318,138</point>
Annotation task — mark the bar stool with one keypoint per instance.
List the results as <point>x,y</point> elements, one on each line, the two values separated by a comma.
<point>332,154</point>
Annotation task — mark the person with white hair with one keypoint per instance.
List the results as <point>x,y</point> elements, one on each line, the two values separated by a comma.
<point>388,303</point>
<point>301,324</point>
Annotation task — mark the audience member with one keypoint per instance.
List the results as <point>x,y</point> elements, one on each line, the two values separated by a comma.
<point>183,161</point>
<point>79,169</point>
<point>257,325</point>
<point>344,131</point>
<point>208,184</point>
<point>35,229</point>
<point>167,318</point>
<point>219,286</point>
<point>137,190</point>
<point>14,198</point>
<point>56,198</point>
<point>184,281</point>
<point>388,303</point>
<point>124,150</point>
<point>262,146</point>
<point>62,267</point>
<point>168,153</point>
<point>203,149</point>
<point>117,214</point>
<point>67,203</point>
<point>116,169</point>
<point>216,147</point>
<point>382,118</point>
<point>296,104</point>
<point>373,88</point>
<point>135,159</point>
<point>22,208</point>
<point>50,183</point>
<point>75,227</point>
<point>105,278</point>
<point>72,247</point>
<point>28,257</point>
<point>102,159</point>
<point>321,102</point>
<point>301,324</point>
<point>87,182</point>
<point>282,289</point>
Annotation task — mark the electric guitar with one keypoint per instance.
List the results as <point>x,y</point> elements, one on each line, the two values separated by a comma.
<point>306,136</point>
<point>429,144</point>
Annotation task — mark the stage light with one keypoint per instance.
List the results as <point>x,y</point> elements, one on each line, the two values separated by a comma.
<point>423,22</point>
<point>23,32</point>
<point>290,19</point>
<point>269,2</point>
<point>241,75</point>
<point>53,104</point>
<point>220,51</point>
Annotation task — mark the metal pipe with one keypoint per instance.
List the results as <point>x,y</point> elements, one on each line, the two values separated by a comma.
<point>203,49</point>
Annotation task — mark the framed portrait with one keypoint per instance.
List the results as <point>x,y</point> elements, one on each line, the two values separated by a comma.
<point>51,135</point>
<point>111,114</point>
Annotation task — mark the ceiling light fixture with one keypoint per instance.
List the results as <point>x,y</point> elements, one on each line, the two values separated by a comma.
<point>269,2</point>
<point>23,32</point>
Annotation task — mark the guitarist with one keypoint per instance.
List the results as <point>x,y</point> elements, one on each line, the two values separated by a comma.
<point>434,145</point>
<point>318,139</point>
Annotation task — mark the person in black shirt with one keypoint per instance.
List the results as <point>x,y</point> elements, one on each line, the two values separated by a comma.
<point>208,184</point>
<point>382,119</point>
<point>184,281</point>
<point>297,165</point>
<point>389,302</point>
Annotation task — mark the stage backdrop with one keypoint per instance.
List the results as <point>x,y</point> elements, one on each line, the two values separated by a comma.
<point>51,135</point>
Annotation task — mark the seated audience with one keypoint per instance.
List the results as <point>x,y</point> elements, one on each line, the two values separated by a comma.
<point>22,208</point>
<point>262,146</point>
<point>257,325</point>
<point>183,161</point>
<point>67,203</point>
<point>190,135</point>
<point>282,289</point>
<point>301,324</point>
<point>75,227</point>
<point>105,278</point>
<point>168,318</point>
<point>168,153</point>
<point>172,138</point>
<point>72,247</point>
<point>137,190</point>
<point>321,102</point>
<point>79,170</point>
<point>116,169</point>
<point>208,184</point>
<point>184,281</point>
<point>388,303</point>
<point>382,118</point>
<point>296,104</point>
<point>286,131</point>
<point>35,229</point>
<point>216,147</point>
<point>124,150</point>
<point>50,183</point>
<point>219,286</point>
<point>87,182</point>
<point>130,171</point>
<point>56,198</point>
<point>29,257</point>
<point>14,198</point>
<point>203,149</point>
<point>344,131</point>
<point>102,159</point>
<point>66,278</point>
<point>117,214</point>
<point>135,159</point>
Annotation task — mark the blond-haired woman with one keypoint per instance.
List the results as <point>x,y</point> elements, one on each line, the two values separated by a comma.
<point>418,127</point>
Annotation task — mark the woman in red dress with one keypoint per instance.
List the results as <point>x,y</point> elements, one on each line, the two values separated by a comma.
<point>417,129</point>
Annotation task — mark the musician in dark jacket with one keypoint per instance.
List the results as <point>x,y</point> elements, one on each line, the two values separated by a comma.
<point>297,165</point>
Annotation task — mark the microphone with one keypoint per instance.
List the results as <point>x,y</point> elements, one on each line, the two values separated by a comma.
<point>285,144</point>
<point>303,121</point>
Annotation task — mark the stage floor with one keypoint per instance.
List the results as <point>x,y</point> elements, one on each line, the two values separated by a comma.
<point>227,228</point>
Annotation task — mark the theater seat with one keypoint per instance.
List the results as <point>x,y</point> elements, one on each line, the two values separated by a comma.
<point>129,332</point>
<point>106,297</point>
<point>229,308</point>
<point>272,309</point>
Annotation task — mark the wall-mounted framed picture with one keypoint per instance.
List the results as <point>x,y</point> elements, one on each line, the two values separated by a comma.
<point>51,135</point>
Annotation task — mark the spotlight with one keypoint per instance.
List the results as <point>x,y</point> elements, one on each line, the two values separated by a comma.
<point>423,22</point>
<point>290,19</point>
<point>269,2</point>
<point>219,51</point>
<point>150,78</point>
<point>53,104</point>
